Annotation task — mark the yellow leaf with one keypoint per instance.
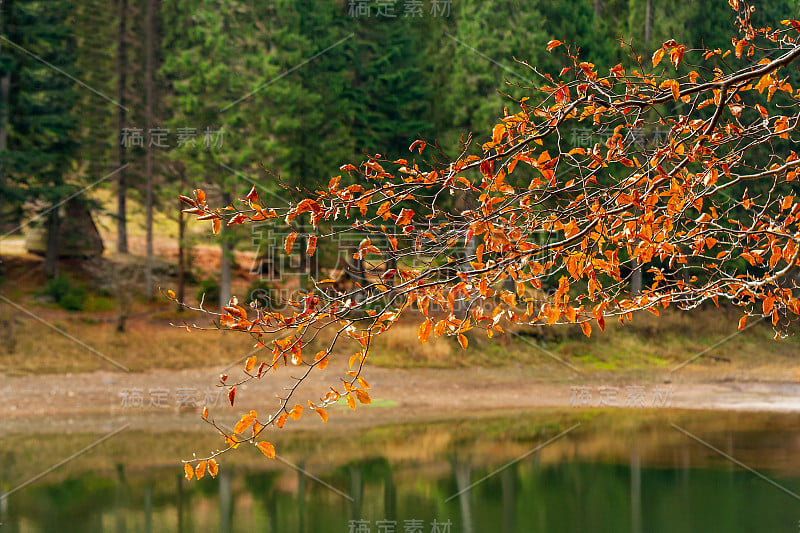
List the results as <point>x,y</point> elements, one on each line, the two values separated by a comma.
<point>350,401</point>
<point>171,294</point>
<point>267,449</point>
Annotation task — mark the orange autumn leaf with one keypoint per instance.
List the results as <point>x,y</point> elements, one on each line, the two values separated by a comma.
<point>212,467</point>
<point>250,364</point>
<point>289,243</point>
<point>200,470</point>
<point>463,341</point>
<point>312,245</point>
<point>657,56</point>
<point>188,470</point>
<point>296,412</point>
<point>362,396</point>
<point>425,331</point>
<point>322,414</point>
<point>281,420</point>
<point>552,44</point>
<point>405,217</point>
<point>267,449</point>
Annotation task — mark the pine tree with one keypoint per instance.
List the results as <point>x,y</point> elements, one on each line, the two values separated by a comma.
<point>42,139</point>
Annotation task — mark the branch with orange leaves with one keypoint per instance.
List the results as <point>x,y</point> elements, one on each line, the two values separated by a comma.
<point>530,230</point>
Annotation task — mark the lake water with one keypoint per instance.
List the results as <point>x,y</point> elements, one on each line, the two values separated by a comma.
<point>575,471</point>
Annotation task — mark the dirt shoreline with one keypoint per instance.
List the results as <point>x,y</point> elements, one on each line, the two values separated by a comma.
<point>160,400</point>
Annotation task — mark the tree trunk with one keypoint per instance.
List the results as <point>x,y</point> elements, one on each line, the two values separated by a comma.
<point>5,84</point>
<point>225,259</point>
<point>122,184</point>
<point>181,255</point>
<point>148,82</point>
<point>636,278</point>
<point>53,241</point>
<point>648,22</point>
<point>598,8</point>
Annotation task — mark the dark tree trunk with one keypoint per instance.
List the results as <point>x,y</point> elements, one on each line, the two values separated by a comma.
<point>648,22</point>
<point>148,83</point>
<point>5,84</point>
<point>122,184</point>
<point>53,242</point>
<point>636,278</point>
<point>181,256</point>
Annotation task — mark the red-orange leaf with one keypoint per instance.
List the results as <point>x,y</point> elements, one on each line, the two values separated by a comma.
<point>322,414</point>
<point>212,467</point>
<point>552,44</point>
<point>290,242</point>
<point>232,395</point>
<point>405,217</point>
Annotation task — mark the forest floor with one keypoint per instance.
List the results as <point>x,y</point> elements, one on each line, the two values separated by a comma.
<point>72,371</point>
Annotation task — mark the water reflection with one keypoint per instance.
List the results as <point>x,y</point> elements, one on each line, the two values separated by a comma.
<point>574,485</point>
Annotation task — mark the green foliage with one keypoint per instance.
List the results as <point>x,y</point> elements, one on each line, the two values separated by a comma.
<point>42,126</point>
<point>67,295</point>
<point>208,292</point>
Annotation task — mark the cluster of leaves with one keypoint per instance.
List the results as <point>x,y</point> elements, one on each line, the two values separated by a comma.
<point>695,210</point>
